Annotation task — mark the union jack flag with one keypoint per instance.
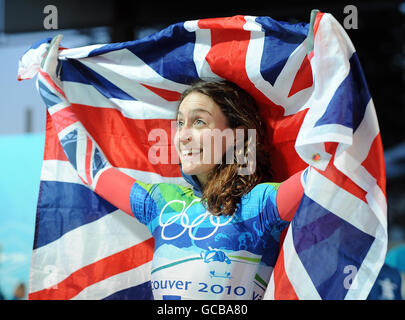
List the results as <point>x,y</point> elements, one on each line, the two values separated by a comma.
<point>103,100</point>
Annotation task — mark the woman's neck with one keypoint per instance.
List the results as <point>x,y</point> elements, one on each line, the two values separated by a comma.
<point>203,179</point>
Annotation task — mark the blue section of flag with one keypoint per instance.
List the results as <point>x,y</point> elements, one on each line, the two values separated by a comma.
<point>99,162</point>
<point>69,144</point>
<point>73,206</point>
<point>75,71</point>
<point>348,105</point>
<point>49,98</point>
<point>37,44</point>
<point>170,53</point>
<point>320,239</point>
<point>280,41</point>
<point>140,292</point>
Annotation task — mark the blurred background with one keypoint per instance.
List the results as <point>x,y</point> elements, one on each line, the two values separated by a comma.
<point>379,40</point>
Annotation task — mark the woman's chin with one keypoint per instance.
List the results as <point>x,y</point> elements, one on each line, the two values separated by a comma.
<point>190,169</point>
<point>195,169</point>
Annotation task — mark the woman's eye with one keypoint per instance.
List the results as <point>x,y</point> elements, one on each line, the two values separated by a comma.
<point>199,122</point>
<point>179,124</point>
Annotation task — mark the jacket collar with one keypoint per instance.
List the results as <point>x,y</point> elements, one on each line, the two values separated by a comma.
<point>191,179</point>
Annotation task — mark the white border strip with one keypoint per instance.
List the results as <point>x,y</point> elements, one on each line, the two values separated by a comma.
<point>63,171</point>
<point>126,70</point>
<point>341,203</point>
<point>156,108</point>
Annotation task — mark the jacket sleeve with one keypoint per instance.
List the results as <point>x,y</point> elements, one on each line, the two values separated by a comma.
<point>281,201</point>
<point>143,205</point>
<point>289,196</point>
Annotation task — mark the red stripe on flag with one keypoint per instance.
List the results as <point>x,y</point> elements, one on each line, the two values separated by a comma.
<point>53,148</point>
<point>54,124</point>
<point>89,152</point>
<point>303,79</point>
<point>164,93</point>
<point>235,23</point>
<point>125,141</point>
<point>375,164</point>
<point>283,135</point>
<point>317,22</point>
<point>64,118</point>
<point>228,50</point>
<point>283,289</point>
<point>337,177</point>
<point>49,80</point>
<point>227,59</point>
<point>79,280</point>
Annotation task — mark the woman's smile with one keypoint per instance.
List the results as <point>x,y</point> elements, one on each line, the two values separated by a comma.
<point>191,154</point>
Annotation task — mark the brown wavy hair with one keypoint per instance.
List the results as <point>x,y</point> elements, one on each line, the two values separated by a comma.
<point>226,185</point>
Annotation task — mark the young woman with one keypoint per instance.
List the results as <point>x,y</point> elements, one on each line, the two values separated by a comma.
<point>218,239</point>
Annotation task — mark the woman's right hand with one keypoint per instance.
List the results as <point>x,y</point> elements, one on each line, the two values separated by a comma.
<point>109,183</point>
<point>50,61</point>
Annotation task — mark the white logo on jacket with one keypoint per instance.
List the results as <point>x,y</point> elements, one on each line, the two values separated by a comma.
<point>184,220</point>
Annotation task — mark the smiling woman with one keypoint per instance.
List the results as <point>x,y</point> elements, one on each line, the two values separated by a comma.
<point>220,238</point>
<point>211,116</point>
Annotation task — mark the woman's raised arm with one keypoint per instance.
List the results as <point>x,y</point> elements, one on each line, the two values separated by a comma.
<point>108,182</point>
<point>289,196</point>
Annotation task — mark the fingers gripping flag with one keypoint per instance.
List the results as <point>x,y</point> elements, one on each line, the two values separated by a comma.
<point>104,100</point>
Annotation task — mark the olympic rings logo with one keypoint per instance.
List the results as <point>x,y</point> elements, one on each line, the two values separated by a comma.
<point>184,220</point>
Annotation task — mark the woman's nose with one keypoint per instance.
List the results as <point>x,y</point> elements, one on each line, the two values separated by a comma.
<point>185,135</point>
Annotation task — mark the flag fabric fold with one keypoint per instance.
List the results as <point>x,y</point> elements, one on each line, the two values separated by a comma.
<point>313,96</point>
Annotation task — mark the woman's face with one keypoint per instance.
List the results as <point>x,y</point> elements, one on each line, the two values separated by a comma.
<point>200,136</point>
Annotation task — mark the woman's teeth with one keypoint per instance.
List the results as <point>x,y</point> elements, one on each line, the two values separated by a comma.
<point>190,152</point>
